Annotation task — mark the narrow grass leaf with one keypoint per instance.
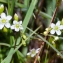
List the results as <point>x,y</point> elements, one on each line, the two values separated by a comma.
<point>29,14</point>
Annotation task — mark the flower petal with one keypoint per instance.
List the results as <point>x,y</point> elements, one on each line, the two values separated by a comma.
<point>52,25</point>
<point>20,22</point>
<point>7,25</point>
<point>58,23</point>
<point>58,32</point>
<point>3,15</point>
<point>32,55</point>
<point>9,17</point>
<point>1,5</point>
<point>52,31</point>
<point>14,22</point>
<point>32,50</point>
<point>0,20</point>
<point>21,28</point>
<point>1,26</point>
<point>37,50</point>
<point>61,27</point>
<point>28,53</point>
<point>16,29</point>
<point>12,27</point>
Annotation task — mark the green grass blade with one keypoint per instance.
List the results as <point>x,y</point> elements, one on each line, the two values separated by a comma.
<point>45,15</point>
<point>29,14</point>
<point>16,3</point>
<point>26,3</point>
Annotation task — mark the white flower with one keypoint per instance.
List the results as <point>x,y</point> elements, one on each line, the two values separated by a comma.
<point>4,20</point>
<point>17,25</point>
<point>33,52</point>
<point>56,28</point>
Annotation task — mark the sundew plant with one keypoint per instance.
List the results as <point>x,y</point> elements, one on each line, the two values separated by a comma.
<point>31,31</point>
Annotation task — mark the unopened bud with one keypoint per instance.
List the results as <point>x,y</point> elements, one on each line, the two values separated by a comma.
<point>5,29</point>
<point>23,42</point>
<point>56,38</point>
<point>15,17</point>
<point>45,33</point>
<point>47,29</point>
<point>24,36</point>
<point>62,21</point>
<point>1,8</point>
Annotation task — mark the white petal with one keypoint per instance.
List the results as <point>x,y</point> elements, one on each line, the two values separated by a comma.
<point>7,25</point>
<point>16,29</point>
<point>61,27</point>
<point>2,5</point>
<point>3,15</point>
<point>12,27</point>
<point>9,17</point>
<point>0,20</point>
<point>58,32</point>
<point>52,31</point>
<point>32,55</point>
<point>21,28</point>
<point>32,50</point>
<point>20,22</point>
<point>1,26</point>
<point>14,22</point>
<point>28,53</point>
<point>37,50</point>
<point>52,25</point>
<point>58,23</point>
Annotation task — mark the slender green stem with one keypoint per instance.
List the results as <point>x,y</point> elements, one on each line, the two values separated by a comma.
<point>33,32</point>
<point>4,44</point>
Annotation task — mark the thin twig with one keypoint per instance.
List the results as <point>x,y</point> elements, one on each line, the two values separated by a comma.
<point>53,17</point>
<point>56,9</point>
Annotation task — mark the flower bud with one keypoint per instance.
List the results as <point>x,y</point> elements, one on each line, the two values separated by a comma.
<point>15,17</point>
<point>24,36</point>
<point>5,29</point>
<point>62,21</point>
<point>23,42</point>
<point>45,33</point>
<point>1,8</point>
<point>56,38</point>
